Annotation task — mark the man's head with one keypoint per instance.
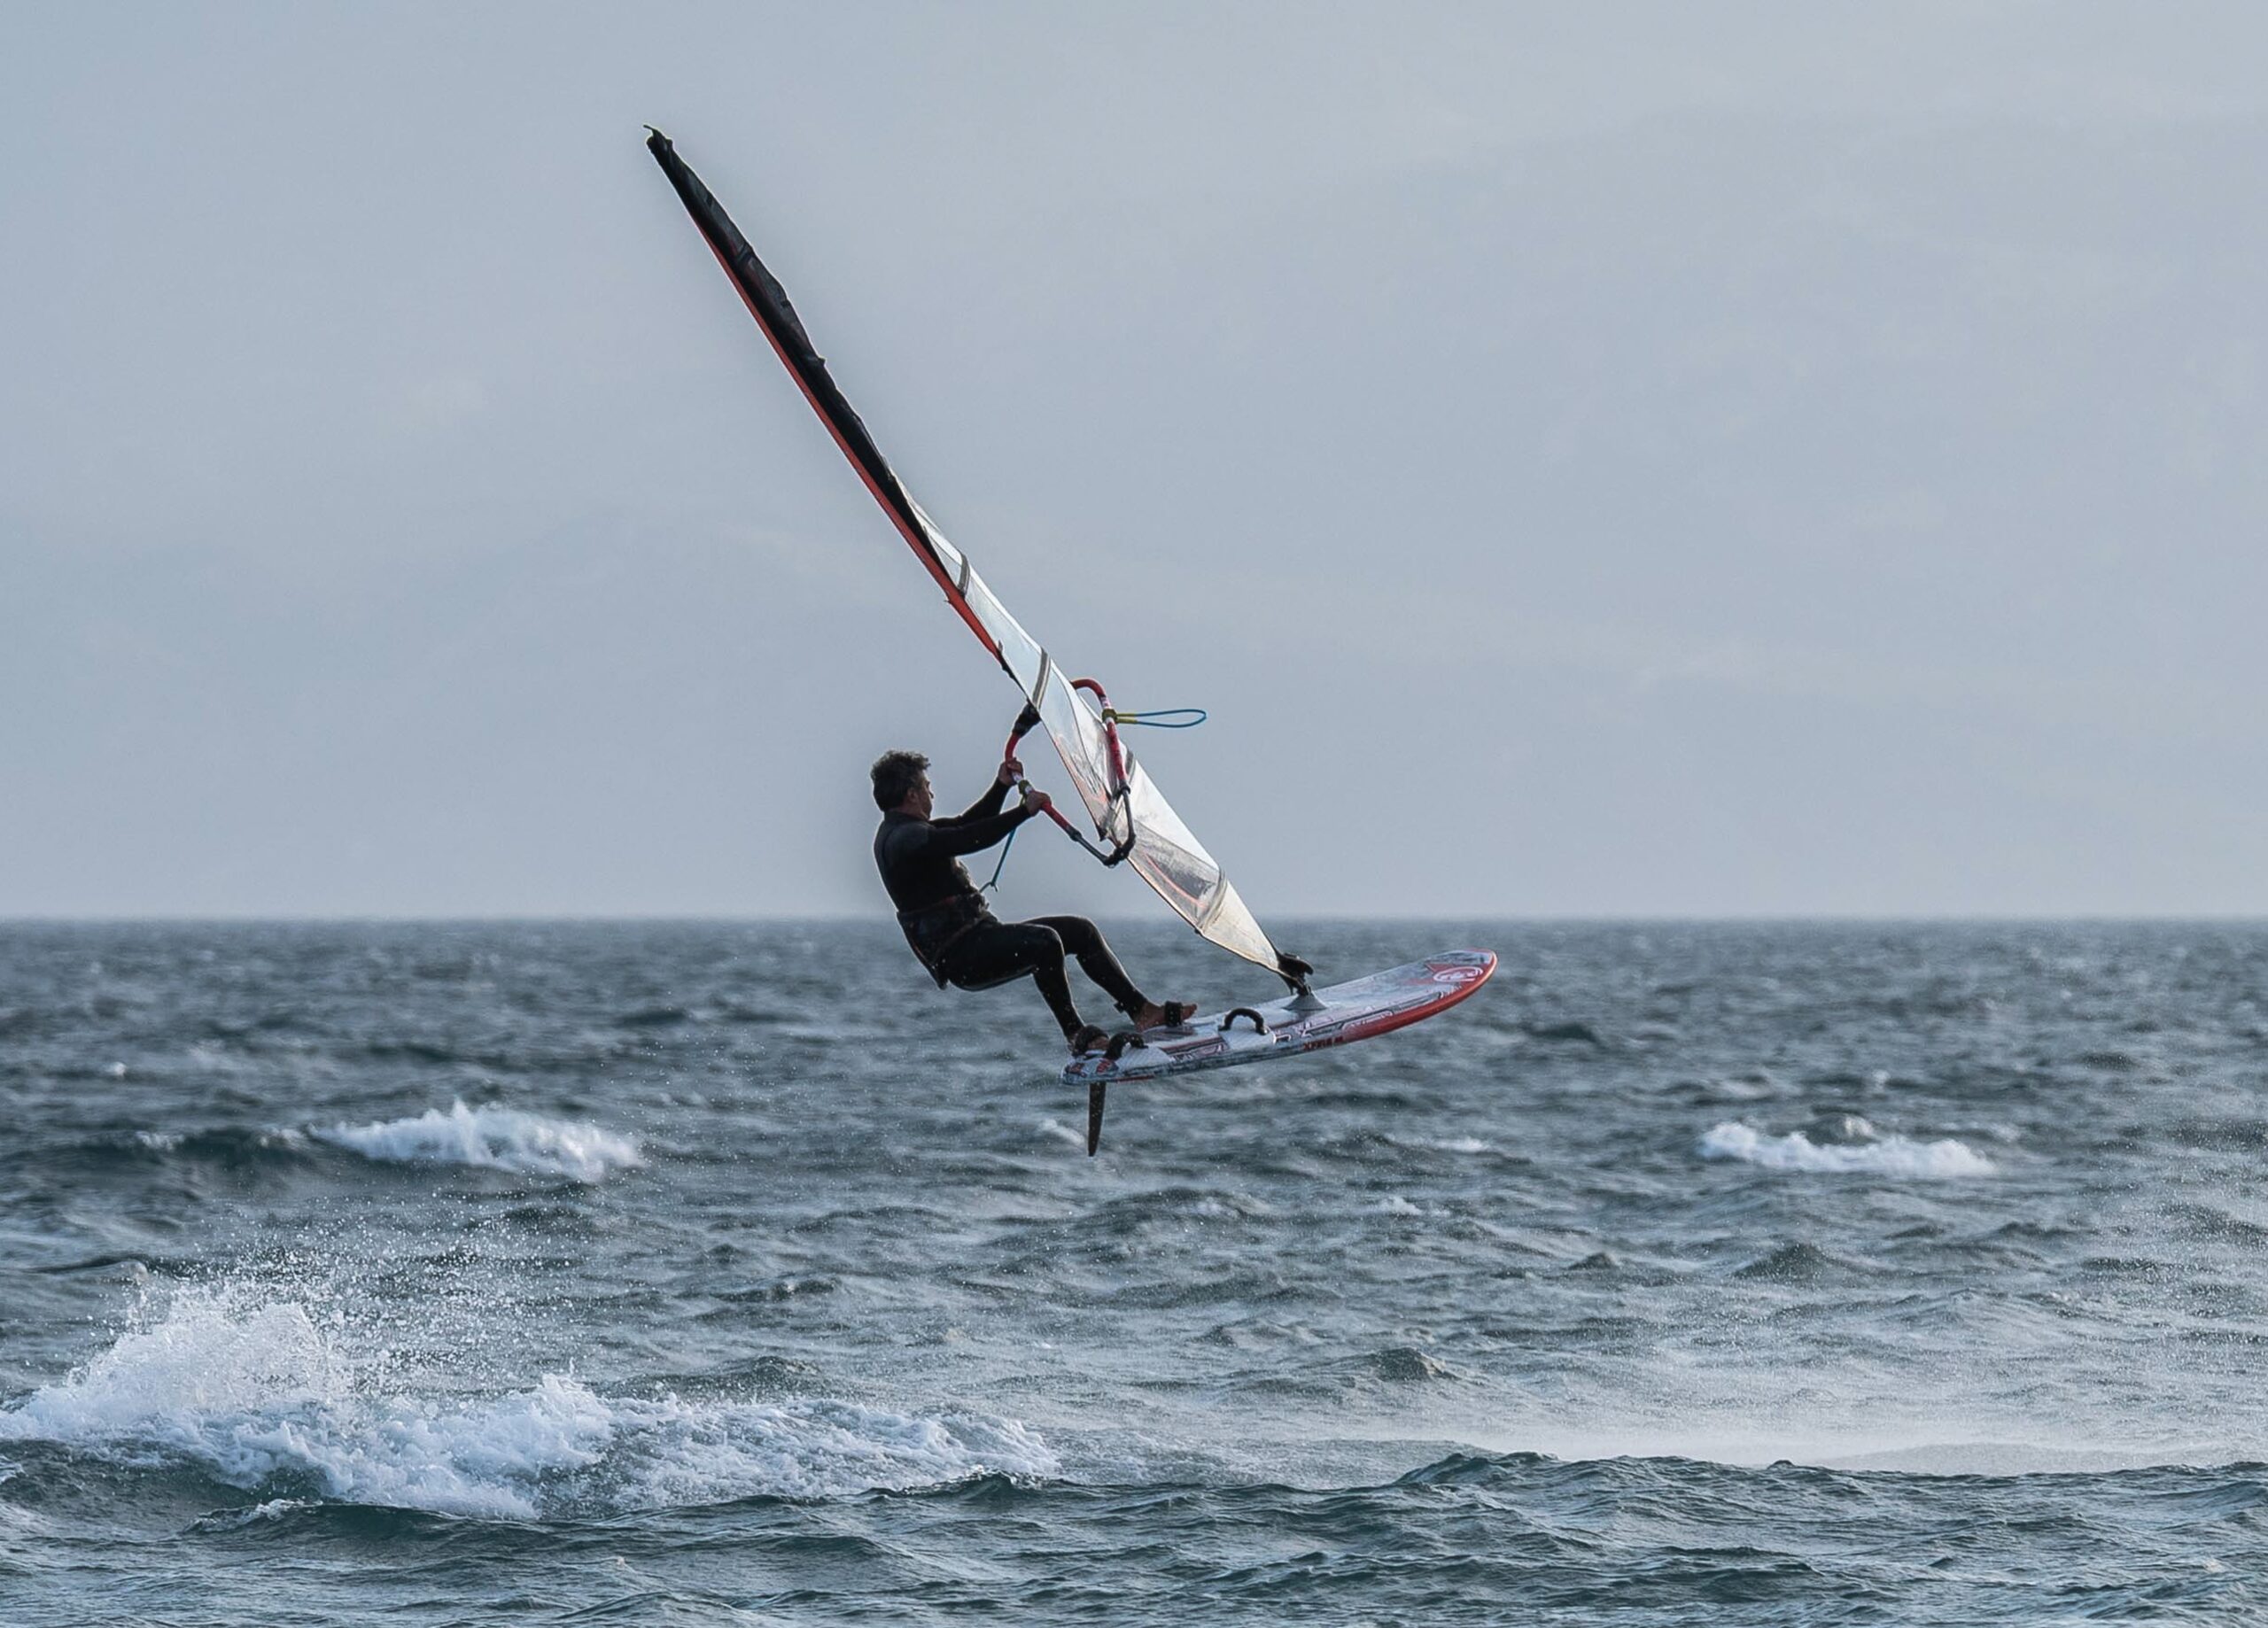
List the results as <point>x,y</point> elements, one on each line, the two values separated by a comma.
<point>901,776</point>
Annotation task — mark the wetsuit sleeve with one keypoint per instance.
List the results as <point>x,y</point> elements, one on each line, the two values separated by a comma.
<point>983,808</point>
<point>968,833</point>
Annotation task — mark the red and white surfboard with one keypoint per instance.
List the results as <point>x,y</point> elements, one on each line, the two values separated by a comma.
<point>1345,1012</point>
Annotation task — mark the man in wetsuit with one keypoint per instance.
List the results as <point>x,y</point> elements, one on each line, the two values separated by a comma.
<point>951,931</point>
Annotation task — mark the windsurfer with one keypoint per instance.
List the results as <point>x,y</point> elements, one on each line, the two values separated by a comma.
<point>943,914</point>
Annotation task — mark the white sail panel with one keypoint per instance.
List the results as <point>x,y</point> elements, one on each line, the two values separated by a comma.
<point>1165,853</point>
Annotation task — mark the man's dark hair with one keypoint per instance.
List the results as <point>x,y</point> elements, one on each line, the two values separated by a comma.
<point>896,774</point>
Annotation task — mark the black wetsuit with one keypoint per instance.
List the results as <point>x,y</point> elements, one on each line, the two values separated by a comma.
<point>963,943</point>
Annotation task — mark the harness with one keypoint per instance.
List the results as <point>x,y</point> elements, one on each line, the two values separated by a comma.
<point>933,929</point>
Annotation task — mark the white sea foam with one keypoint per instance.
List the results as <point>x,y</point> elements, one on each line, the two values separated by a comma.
<point>256,1392</point>
<point>1891,1155</point>
<point>492,1138</point>
<point>212,1352</point>
<point>1062,1132</point>
<point>675,1452</point>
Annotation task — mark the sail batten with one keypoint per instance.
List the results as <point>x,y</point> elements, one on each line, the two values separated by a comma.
<point>1121,799</point>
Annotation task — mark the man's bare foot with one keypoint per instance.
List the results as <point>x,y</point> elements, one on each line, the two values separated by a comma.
<point>1173,1014</point>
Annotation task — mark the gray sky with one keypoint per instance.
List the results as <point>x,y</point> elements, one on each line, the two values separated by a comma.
<point>1601,459</point>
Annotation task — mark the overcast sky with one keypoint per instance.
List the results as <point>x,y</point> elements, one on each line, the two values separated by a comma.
<point>1716,460</point>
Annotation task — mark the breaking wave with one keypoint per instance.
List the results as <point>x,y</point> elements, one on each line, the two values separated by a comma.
<point>492,1138</point>
<point>1891,1155</point>
<point>257,1394</point>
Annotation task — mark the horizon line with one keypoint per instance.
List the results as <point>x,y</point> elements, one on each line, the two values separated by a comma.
<point>532,919</point>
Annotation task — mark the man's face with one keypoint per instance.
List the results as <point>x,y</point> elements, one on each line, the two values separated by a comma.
<point>922,801</point>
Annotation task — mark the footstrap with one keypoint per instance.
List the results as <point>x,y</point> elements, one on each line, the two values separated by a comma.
<point>1120,1042</point>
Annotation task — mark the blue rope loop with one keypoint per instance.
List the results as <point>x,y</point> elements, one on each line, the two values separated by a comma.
<point>1002,863</point>
<point>1168,717</point>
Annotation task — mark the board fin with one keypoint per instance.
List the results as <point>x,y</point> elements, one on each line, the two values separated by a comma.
<point>1094,1116</point>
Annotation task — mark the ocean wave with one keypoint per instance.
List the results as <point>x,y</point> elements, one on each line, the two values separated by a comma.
<point>259,1394</point>
<point>235,1146</point>
<point>492,1138</point>
<point>227,1147</point>
<point>1793,1263</point>
<point>1442,1145</point>
<point>1891,1155</point>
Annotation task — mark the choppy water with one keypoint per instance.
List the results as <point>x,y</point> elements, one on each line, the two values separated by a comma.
<point>688,1274</point>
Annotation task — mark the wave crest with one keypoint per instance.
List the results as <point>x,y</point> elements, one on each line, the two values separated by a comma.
<point>492,1138</point>
<point>1891,1155</point>
<point>257,1394</point>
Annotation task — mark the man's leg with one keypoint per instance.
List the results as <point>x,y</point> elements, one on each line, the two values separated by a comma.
<point>1085,940</point>
<point>999,953</point>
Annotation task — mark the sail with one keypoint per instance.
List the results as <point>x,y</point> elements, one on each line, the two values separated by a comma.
<point>1121,799</point>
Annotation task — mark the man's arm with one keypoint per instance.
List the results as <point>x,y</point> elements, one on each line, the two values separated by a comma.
<point>983,808</point>
<point>968,833</point>
<point>982,824</point>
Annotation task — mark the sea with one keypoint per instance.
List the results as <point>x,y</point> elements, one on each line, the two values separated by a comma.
<point>715,1273</point>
